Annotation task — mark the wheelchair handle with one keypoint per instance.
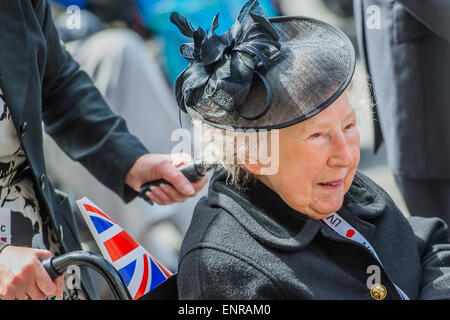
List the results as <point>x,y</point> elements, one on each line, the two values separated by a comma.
<point>193,171</point>
<point>56,266</point>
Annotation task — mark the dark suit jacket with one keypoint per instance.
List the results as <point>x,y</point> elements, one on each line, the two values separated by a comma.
<point>41,83</point>
<point>408,59</point>
<point>252,245</point>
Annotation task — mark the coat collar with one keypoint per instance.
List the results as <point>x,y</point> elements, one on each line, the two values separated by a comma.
<point>271,221</point>
<point>363,203</point>
<point>13,56</point>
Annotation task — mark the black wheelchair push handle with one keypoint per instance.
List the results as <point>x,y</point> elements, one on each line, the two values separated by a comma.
<point>193,171</point>
<point>56,266</point>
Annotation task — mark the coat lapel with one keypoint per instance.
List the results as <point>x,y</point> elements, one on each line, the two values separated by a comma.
<point>13,56</point>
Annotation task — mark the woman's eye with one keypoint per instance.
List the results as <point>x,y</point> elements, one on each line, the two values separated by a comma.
<point>349,126</point>
<point>315,135</point>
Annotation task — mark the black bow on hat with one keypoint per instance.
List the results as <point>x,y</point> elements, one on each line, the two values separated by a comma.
<point>223,65</point>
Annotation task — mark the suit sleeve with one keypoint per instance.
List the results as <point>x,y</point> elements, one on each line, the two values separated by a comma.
<point>213,274</point>
<point>78,118</point>
<point>434,250</point>
<point>435,14</point>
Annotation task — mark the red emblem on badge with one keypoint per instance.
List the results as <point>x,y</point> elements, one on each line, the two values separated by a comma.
<point>350,233</point>
<point>4,240</point>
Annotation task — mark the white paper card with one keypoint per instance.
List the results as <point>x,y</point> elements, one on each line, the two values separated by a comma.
<point>5,226</point>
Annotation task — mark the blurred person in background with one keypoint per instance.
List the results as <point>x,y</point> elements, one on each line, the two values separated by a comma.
<point>111,47</point>
<point>343,8</point>
<point>42,87</point>
<point>405,45</point>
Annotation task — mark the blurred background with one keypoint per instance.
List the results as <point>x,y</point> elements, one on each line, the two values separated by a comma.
<point>130,49</point>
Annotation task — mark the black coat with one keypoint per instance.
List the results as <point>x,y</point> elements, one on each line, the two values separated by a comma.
<point>408,59</point>
<point>41,83</point>
<point>251,245</point>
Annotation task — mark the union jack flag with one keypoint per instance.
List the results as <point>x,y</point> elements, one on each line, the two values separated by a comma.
<point>140,271</point>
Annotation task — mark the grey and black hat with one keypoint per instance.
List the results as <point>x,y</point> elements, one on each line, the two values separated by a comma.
<point>262,73</point>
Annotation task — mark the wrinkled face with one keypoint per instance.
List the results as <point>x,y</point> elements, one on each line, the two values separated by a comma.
<point>317,160</point>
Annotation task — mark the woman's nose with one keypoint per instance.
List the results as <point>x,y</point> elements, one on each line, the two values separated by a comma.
<point>342,155</point>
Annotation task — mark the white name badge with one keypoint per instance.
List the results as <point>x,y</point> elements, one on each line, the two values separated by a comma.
<point>5,226</point>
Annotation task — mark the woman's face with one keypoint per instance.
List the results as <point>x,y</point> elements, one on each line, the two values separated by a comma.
<point>317,160</point>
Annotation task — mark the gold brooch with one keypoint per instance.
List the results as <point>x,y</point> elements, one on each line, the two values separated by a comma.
<point>378,291</point>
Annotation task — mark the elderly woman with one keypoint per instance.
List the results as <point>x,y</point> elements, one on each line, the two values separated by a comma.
<point>304,224</point>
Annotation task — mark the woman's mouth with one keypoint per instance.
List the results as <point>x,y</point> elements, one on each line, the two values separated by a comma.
<point>332,184</point>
